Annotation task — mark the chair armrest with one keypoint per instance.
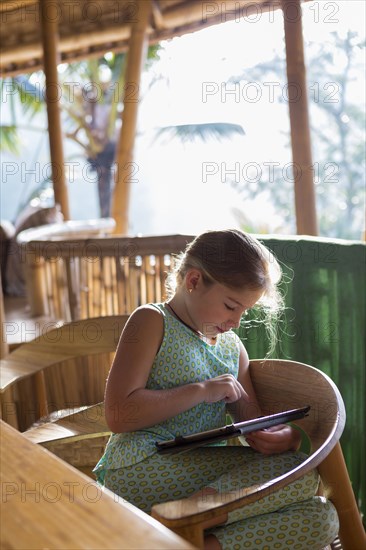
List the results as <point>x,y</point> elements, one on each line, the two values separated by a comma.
<point>85,424</point>
<point>181,513</point>
<point>199,510</point>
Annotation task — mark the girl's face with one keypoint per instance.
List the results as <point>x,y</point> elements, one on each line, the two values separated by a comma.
<point>216,309</point>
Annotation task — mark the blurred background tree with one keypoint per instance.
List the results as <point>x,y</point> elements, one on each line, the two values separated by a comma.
<point>92,106</point>
<point>338,135</point>
<point>92,103</point>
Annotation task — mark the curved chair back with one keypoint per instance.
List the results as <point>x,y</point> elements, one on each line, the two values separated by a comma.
<point>63,368</point>
<point>282,385</point>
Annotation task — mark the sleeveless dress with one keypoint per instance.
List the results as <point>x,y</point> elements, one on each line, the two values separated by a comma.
<point>131,467</point>
<point>183,358</point>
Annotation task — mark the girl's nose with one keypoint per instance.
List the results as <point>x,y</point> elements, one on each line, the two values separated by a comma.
<point>236,319</point>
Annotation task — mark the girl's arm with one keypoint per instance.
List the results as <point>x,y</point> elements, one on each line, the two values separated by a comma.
<point>276,439</point>
<point>129,406</point>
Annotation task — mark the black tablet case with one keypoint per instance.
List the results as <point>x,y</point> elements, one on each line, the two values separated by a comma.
<point>185,443</point>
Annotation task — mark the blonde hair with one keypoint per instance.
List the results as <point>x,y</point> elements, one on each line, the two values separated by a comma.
<point>236,260</point>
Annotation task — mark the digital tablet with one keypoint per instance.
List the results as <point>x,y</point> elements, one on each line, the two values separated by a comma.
<point>185,443</point>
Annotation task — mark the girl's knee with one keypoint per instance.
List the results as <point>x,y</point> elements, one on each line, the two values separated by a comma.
<point>317,519</point>
<point>310,524</point>
<point>305,487</point>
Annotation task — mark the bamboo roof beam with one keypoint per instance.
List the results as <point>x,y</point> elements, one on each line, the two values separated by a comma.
<point>80,38</point>
<point>67,44</point>
<point>50,55</point>
<point>12,5</point>
<point>305,205</point>
<point>157,16</point>
<point>124,154</point>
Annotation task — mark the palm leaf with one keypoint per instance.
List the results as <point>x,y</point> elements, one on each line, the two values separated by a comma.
<point>205,131</point>
<point>8,138</point>
<point>31,97</point>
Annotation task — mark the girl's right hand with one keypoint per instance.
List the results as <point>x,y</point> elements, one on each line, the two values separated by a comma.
<point>223,388</point>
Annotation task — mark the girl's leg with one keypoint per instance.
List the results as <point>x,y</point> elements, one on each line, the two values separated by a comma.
<point>311,524</point>
<point>291,517</point>
<point>258,470</point>
<point>162,478</point>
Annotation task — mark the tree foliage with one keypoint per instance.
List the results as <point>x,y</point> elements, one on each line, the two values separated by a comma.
<point>91,100</point>
<point>337,126</point>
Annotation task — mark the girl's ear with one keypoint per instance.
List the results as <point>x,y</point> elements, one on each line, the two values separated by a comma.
<point>193,278</point>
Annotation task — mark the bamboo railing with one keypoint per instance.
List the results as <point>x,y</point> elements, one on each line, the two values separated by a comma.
<point>73,279</point>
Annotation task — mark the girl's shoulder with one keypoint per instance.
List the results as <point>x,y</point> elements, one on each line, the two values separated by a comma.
<point>151,313</point>
<point>157,308</point>
<point>146,320</point>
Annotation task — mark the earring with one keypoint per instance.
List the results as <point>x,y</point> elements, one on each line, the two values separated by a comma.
<point>190,290</point>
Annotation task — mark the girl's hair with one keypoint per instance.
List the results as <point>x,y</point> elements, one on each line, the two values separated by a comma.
<point>236,260</point>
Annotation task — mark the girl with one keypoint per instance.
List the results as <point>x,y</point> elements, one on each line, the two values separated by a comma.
<point>179,368</point>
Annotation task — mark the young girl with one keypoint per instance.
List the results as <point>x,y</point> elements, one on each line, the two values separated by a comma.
<point>179,368</point>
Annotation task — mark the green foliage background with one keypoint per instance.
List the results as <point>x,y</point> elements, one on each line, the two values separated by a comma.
<point>324,326</point>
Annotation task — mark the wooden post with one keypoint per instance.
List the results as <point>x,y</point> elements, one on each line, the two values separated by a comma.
<point>305,207</point>
<point>338,488</point>
<point>125,168</point>
<point>4,348</point>
<point>49,15</point>
<point>34,273</point>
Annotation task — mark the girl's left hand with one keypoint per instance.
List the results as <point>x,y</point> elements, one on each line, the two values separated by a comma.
<point>276,439</point>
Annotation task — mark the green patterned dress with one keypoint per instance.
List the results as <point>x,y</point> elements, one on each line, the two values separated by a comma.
<point>133,470</point>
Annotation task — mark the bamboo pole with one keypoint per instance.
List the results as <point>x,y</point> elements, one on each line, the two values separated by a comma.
<point>35,272</point>
<point>4,348</point>
<point>124,155</point>
<point>305,205</point>
<point>49,24</point>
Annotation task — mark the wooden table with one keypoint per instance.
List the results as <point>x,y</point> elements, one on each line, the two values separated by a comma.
<point>47,504</point>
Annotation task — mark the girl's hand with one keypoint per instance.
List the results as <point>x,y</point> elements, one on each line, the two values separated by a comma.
<point>276,439</point>
<point>223,388</point>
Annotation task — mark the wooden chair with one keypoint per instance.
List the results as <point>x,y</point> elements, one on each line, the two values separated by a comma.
<point>284,385</point>
<point>78,438</point>
<point>63,368</point>
<point>279,385</point>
